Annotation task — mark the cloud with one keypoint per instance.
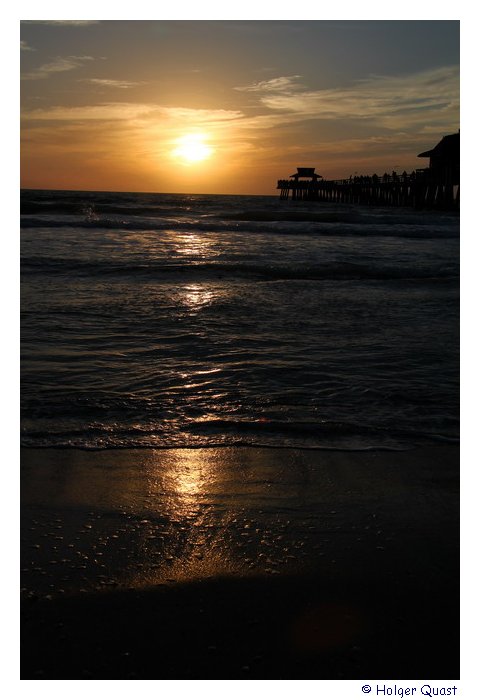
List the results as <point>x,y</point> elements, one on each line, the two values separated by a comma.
<point>110,111</point>
<point>389,101</point>
<point>59,65</point>
<point>281,84</point>
<point>201,116</point>
<point>72,22</point>
<point>25,47</point>
<point>127,111</point>
<point>107,82</point>
<point>149,129</point>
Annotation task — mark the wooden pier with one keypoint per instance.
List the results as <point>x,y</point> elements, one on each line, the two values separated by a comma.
<point>415,190</point>
<point>435,187</point>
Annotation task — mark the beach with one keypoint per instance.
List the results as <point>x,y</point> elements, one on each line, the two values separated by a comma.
<point>240,563</point>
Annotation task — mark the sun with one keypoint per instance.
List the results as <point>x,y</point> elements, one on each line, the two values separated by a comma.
<point>192,148</point>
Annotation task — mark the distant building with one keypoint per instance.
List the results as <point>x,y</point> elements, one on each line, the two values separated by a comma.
<point>306,172</point>
<point>444,165</point>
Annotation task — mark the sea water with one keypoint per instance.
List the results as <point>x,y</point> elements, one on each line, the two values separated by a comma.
<point>160,320</point>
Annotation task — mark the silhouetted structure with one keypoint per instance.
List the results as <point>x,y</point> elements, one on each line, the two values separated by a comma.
<point>306,172</point>
<point>435,187</point>
<point>444,165</point>
<point>303,184</point>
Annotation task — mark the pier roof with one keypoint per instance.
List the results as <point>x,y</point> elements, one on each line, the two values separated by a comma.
<point>305,172</point>
<point>448,147</point>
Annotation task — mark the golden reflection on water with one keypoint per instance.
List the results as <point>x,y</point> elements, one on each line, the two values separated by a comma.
<point>185,489</point>
<point>192,246</point>
<point>192,475</point>
<point>195,296</point>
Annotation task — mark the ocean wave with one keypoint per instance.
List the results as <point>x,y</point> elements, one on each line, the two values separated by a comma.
<point>296,216</point>
<point>229,433</point>
<point>153,269</point>
<point>70,202</point>
<point>317,225</point>
<point>373,216</point>
<point>321,430</point>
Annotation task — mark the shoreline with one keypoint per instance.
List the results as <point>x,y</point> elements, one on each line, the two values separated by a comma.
<point>240,563</point>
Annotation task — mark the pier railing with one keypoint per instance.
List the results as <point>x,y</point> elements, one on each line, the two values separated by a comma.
<point>415,190</point>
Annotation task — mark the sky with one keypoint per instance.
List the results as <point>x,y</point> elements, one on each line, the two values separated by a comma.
<point>220,106</point>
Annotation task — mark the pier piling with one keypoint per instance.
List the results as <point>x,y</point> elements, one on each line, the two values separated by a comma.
<point>414,190</point>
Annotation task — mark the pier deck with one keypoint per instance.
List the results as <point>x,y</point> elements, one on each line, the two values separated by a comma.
<point>418,192</point>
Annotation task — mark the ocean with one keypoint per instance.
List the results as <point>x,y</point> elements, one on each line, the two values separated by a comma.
<point>170,320</point>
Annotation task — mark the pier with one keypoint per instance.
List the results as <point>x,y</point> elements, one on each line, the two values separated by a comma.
<point>435,187</point>
<point>414,190</point>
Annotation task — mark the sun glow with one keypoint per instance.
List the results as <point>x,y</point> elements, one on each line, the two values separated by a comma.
<point>192,148</point>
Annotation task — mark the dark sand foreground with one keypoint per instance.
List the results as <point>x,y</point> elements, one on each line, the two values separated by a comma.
<point>240,563</point>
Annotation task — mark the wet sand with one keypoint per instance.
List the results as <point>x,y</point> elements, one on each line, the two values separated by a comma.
<point>240,563</point>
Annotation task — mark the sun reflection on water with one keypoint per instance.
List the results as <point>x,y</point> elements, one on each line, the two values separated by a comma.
<point>197,296</point>
<point>193,247</point>
<point>185,489</point>
<point>186,476</point>
<point>192,477</point>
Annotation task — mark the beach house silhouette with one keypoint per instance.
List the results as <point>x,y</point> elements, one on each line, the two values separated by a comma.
<point>307,173</point>
<point>444,166</point>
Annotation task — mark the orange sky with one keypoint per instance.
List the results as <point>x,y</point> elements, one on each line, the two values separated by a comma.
<point>230,106</point>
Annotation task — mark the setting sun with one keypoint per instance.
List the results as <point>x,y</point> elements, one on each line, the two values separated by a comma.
<point>192,148</point>
<point>181,111</point>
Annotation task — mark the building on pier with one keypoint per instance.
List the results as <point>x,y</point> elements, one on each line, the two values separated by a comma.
<point>303,184</point>
<point>444,167</point>
<point>308,173</point>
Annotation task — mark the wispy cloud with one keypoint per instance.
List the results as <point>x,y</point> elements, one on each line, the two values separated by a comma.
<point>110,83</point>
<point>110,111</point>
<point>392,103</point>
<point>148,128</point>
<point>286,83</point>
<point>389,101</point>
<point>25,47</point>
<point>127,111</point>
<point>73,22</point>
<point>201,116</point>
<point>59,65</point>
